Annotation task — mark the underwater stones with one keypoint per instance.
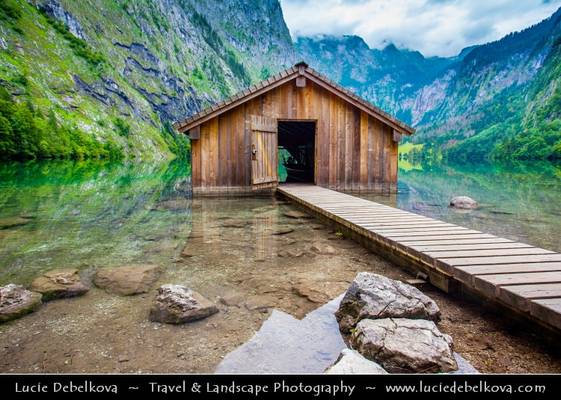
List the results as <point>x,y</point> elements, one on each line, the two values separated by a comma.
<point>231,299</point>
<point>174,205</point>
<point>235,223</point>
<point>352,362</point>
<point>59,283</point>
<point>13,222</point>
<point>187,253</point>
<point>16,301</point>
<point>128,279</point>
<point>261,303</point>
<point>405,345</point>
<point>318,291</point>
<point>323,248</point>
<point>264,209</point>
<point>311,294</point>
<point>293,253</point>
<point>177,304</point>
<point>375,296</point>
<point>280,230</point>
<point>463,202</point>
<point>296,214</point>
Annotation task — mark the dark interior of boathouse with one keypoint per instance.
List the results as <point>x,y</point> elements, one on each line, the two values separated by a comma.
<point>296,142</point>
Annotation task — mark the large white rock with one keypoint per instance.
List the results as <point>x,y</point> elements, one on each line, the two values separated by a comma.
<point>375,296</point>
<point>177,304</point>
<point>352,362</point>
<point>405,345</point>
<point>463,202</point>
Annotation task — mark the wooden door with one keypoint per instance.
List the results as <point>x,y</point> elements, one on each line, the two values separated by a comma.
<point>264,143</point>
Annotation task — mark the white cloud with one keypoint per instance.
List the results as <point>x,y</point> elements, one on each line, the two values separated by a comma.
<point>434,27</point>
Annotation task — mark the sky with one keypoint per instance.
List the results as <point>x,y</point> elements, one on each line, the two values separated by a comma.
<point>433,27</point>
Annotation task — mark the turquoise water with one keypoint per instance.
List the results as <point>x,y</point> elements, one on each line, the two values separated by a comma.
<point>89,214</point>
<point>245,254</point>
<point>92,214</point>
<point>517,201</point>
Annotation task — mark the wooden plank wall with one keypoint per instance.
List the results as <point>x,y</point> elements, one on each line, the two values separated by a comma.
<point>354,151</point>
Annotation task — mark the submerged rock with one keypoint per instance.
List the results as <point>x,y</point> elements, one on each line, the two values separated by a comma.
<point>318,291</point>
<point>293,253</point>
<point>235,223</point>
<point>128,279</point>
<point>174,205</point>
<point>296,214</point>
<point>13,222</point>
<point>264,209</point>
<point>16,301</point>
<point>176,304</point>
<point>352,362</point>
<point>281,230</point>
<point>463,202</point>
<point>310,293</point>
<point>323,248</point>
<point>405,345</point>
<point>375,296</point>
<point>59,283</point>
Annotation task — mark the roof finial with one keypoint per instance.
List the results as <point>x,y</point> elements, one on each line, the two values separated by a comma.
<point>301,64</point>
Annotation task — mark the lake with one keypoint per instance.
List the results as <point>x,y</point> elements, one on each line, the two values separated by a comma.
<point>521,202</point>
<point>245,254</point>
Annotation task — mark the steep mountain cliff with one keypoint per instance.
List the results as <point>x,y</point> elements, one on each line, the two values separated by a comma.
<point>497,100</point>
<point>387,77</point>
<point>105,78</point>
<point>101,78</point>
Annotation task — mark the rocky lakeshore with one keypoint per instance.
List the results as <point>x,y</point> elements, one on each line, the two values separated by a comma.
<point>388,334</point>
<point>272,277</point>
<point>392,325</point>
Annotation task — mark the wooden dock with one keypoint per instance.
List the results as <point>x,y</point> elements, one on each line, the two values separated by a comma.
<point>522,277</point>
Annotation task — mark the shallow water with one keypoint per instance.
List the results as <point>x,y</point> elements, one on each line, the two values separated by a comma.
<point>90,214</point>
<point>244,254</point>
<point>521,202</point>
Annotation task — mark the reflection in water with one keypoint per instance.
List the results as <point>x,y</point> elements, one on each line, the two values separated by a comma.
<point>247,255</point>
<point>244,254</point>
<point>88,214</point>
<point>519,202</point>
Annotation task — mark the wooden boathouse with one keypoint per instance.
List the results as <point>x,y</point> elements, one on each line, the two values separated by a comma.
<point>329,137</point>
<point>336,140</point>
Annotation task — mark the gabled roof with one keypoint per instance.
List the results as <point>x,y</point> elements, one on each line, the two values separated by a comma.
<point>300,69</point>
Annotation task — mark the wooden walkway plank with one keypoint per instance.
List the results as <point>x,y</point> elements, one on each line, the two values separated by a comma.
<point>493,252</point>
<point>520,296</point>
<point>547,310</point>
<point>478,246</point>
<point>518,275</point>
<point>416,229</point>
<point>448,243</point>
<point>452,238</point>
<point>464,232</point>
<point>490,284</point>
<point>467,274</point>
<point>456,262</point>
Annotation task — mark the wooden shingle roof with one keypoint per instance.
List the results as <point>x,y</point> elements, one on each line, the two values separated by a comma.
<point>300,69</point>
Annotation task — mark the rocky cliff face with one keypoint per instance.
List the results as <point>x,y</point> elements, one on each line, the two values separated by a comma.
<point>451,99</point>
<point>146,62</point>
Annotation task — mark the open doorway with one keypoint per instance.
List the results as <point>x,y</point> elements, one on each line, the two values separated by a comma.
<point>296,151</point>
